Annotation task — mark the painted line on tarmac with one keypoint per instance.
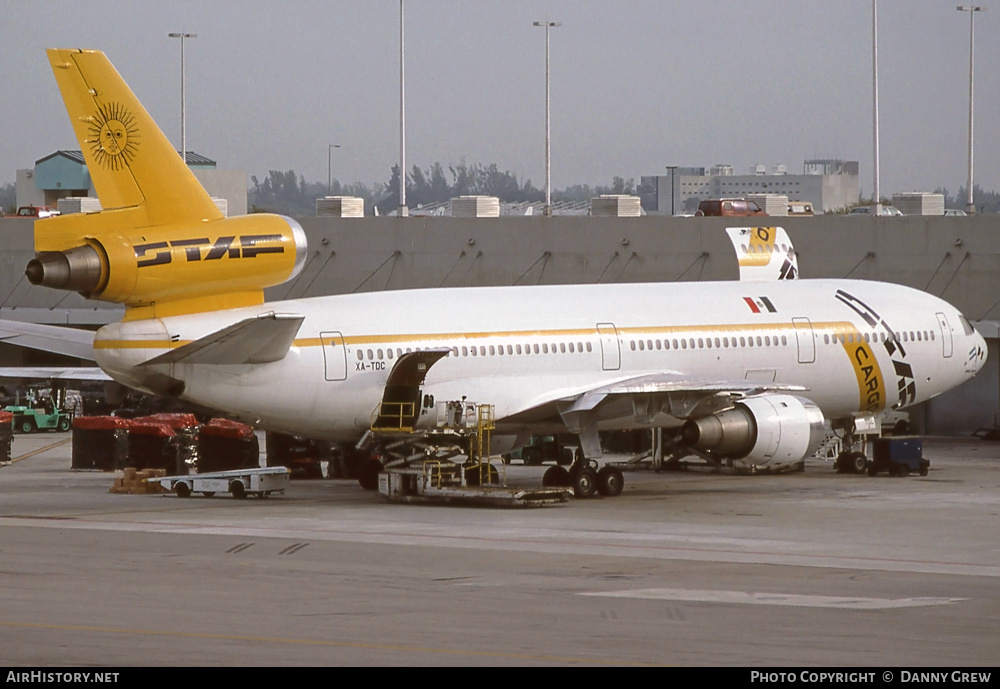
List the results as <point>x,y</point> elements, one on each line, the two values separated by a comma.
<point>781,599</point>
<point>41,450</point>
<point>463,652</point>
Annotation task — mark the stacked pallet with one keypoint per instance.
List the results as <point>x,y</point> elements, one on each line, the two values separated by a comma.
<point>616,206</point>
<point>134,482</point>
<point>224,445</point>
<point>163,441</point>
<point>99,442</point>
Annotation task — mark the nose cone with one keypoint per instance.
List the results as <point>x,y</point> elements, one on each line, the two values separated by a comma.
<point>977,353</point>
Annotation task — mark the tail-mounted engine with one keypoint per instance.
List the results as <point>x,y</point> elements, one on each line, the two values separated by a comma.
<point>770,429</point>
<point>236,255</point>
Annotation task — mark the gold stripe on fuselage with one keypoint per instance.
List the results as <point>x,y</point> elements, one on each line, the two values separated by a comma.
<point>833,327</point>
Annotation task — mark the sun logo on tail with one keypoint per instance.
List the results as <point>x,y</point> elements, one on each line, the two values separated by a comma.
<point>114,136</point>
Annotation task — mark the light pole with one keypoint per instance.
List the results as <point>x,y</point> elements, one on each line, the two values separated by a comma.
<point>876,194</point>
<point>182,36</point>
<point>329,168</point>
<point>672,168</point>
<point>548,120</point>
<point>402,211</point>
<point>970,206</point>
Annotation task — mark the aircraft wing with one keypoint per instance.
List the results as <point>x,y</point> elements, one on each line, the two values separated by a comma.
<point>643,397</point>
<point>49,373</point>
<point>49,338</point>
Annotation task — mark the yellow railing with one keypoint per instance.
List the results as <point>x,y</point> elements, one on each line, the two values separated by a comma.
<point>391,416</point>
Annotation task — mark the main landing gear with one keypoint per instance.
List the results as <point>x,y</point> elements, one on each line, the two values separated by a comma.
<point>586,478</point>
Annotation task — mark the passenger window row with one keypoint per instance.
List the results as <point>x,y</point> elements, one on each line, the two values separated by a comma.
<point>709,342</point>
<point>485,350</point>
<point>903,336</point>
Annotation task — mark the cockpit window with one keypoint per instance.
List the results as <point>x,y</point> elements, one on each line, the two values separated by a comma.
<point>966,326</point>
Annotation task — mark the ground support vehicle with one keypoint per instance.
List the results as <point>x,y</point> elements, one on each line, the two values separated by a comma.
<point>861,433</point>
<point>443,457</point>
<point>444,481</point>
<point>260,482</point>
<point>43,416</point>
<point>899,456</point>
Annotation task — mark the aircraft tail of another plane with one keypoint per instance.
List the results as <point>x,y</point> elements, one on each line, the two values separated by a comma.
<point>160,246</point>
<point>764,253</point>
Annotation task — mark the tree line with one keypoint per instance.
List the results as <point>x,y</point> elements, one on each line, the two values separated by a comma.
<point>290,194</point>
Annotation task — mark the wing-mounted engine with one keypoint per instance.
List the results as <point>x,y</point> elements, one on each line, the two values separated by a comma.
<point>761,431</point>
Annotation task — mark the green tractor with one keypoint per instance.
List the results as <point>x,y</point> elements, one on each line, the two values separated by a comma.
<point>38,415</point>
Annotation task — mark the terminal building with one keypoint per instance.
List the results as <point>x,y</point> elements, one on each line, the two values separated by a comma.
<point>827,184</point>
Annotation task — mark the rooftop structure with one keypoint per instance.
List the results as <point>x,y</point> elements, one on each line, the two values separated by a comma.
<point>827,184</point>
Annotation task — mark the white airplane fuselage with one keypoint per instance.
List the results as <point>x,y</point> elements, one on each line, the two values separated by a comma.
<point>848,346</point>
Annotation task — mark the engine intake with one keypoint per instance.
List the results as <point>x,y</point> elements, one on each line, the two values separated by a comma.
<point>769,429</point>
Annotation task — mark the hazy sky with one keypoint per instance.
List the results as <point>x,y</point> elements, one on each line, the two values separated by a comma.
<point>636,84</point>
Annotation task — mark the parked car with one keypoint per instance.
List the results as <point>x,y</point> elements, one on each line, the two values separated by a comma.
<point>34,212</point>
<point>728,208</point>
<point>866,210</point>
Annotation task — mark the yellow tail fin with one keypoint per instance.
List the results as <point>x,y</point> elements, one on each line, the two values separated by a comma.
<point>131,162</point>
<point>160,246</point>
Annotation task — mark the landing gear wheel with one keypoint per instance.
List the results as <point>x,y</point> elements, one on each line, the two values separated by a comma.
<point>237,489</point>
<point>858,462</point>
<point>182,489</point>
<point>556,477</point>
<point>368,477</point>
<point>584,482</point>
<point>610,481</point>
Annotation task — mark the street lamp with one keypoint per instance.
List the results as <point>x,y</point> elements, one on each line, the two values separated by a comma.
<point>548,120</point>
<point>402,211</point>
<point>329,168</point>
<point>672,168</point>
<point>970,207</point>
<point>876,209</point>
<point>182,36</point>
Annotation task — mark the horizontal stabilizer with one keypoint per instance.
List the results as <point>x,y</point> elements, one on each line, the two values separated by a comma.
<point>259,340</point>
<point>49,338</point>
